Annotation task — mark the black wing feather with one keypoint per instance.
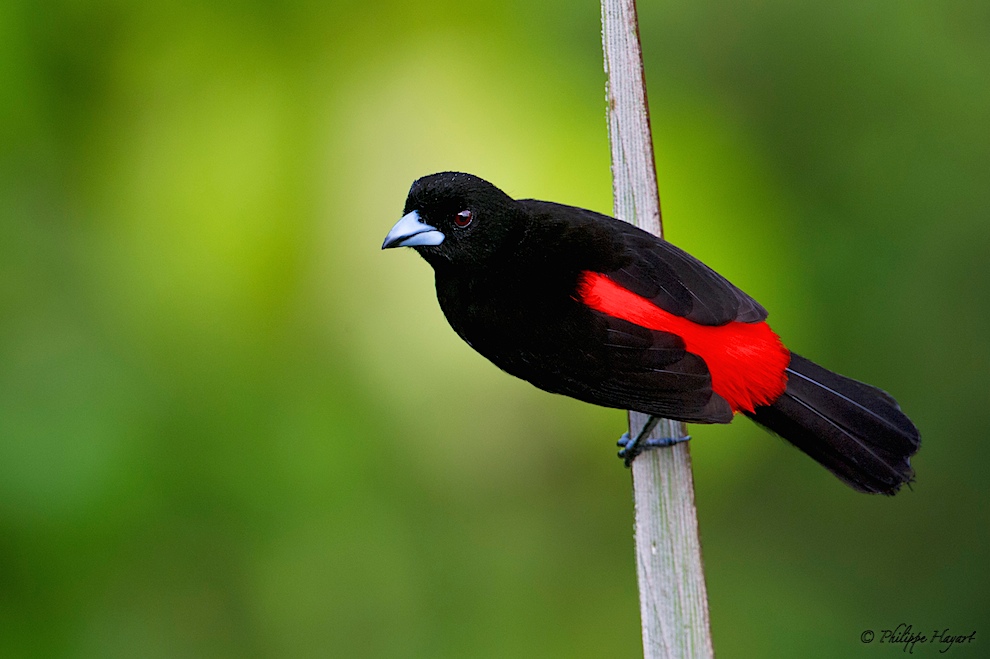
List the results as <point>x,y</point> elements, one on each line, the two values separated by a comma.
<point>687,287</point>
<point>650,372</point>
<point>649,266</point>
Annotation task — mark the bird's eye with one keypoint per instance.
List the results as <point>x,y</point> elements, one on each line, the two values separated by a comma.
<point>463,218</point>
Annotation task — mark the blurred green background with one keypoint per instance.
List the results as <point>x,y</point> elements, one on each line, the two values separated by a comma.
<point>230,426</point>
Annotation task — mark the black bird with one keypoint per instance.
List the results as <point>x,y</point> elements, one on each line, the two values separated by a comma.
<point>582,304</point>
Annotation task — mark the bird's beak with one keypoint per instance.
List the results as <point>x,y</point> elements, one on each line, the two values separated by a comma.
<point>410,232</point>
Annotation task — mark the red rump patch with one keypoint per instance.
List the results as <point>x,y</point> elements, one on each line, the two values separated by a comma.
<point>747,361</point>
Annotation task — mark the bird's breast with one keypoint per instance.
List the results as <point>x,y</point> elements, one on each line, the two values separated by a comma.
<point>515,316</point>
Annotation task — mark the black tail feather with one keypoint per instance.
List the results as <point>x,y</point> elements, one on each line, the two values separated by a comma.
<point>856,431</point>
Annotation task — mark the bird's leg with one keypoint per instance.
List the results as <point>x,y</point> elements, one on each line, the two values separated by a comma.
<point>632,448</point>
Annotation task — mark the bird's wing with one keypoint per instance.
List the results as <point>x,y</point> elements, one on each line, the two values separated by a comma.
<point>632,367</point>
<point>651,371</point>
<point>677,282</point>
<point>654,269</point>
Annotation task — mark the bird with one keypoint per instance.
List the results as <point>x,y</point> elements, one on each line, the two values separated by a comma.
<point>582,304</point>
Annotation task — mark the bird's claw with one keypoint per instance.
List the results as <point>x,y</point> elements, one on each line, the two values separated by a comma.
<point>629,453</point>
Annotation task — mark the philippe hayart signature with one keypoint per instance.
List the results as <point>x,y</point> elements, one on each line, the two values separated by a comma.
<point>904,635</point>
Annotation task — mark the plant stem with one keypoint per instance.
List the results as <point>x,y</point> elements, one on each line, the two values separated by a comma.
<point>672,594</point>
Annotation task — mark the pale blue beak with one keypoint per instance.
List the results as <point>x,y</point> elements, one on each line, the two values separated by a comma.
<point>411,232</point>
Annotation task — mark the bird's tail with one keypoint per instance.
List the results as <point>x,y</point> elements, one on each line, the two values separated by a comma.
<point>856,431</point>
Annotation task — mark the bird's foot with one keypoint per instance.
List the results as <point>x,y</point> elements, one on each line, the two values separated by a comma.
<point>633,447</point>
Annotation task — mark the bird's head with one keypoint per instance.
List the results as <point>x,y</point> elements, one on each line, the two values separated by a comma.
<point>454,218</point>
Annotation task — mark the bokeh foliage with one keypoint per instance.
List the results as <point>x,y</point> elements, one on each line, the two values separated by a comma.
<point>230,426</point>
